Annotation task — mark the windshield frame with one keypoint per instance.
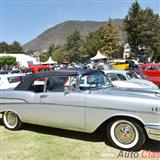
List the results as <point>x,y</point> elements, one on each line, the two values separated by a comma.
<point>106,85</point>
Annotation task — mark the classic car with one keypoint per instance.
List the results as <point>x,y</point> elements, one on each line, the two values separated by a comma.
<point>140,75</point>
<point>39,68</point>
<point>150,69</point>
<point>103,67</point>
<point>10,81</point>
<point>121,78</point>
<point>117,82</point>
<point>121,65</point>
<point>84,100</point>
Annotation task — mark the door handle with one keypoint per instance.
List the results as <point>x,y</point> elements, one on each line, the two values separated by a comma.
<point>43,96</point>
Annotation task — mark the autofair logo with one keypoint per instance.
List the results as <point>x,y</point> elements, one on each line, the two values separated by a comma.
<point>143,154</point>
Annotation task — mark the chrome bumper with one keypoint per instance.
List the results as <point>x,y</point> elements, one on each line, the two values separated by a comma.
<point>153,132</point>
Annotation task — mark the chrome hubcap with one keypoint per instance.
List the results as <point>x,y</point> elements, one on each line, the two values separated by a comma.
<point>125,133</point>
<point>11,118</point>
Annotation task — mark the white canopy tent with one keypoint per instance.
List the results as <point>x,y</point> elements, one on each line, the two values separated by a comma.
<point>98,56</point>
<point>50,61</point>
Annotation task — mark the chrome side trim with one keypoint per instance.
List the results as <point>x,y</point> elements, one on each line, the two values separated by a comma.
<point>153,132</point>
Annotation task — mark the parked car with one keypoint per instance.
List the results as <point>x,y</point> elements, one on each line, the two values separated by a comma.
<point>103,67</point>
<point>16,71</point>
<point>121,65</point>
<point>26,71</point>
<point>140,75</point>
<point>10,81</point>
<point>39,68</point>
<point>150,69</point>
<point>3,72</point>
<point>127,117</point>
<point>122,78</point>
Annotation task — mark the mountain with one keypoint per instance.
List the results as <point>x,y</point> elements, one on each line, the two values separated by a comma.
<point>56,35</point>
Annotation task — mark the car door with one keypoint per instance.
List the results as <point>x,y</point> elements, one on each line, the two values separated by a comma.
<point>60,109</point>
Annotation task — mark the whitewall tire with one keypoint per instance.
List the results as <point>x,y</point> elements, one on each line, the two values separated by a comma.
<point>11,120</point>
<point>125,134</point>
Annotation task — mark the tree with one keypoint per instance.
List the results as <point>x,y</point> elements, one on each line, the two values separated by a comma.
<point>15,47</point>
<point>4,47</point>
<point>7,60</point>
<point>132,23</point>
<point>150,35</point>
<point>59,54</point>
<point>91,44</point>
<point>43,58</point>
<point>143,30</point>
<point>105,39</point>
<point>109,40</point>
<point>50,50</point>
<point>73,46</point>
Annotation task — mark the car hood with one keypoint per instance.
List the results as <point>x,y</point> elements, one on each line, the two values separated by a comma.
<point>144,83</point>
<point>129,92</point>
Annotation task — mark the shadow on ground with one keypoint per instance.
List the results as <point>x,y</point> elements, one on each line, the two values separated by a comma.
<point>97,136</point>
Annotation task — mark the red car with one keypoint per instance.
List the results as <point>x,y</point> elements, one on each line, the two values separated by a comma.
<point>139,74</point>
<point>39,68</point>
<point>155,80</point>
<point>150,69</point>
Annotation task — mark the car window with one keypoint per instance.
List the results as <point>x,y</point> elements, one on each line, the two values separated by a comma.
<point>38,85</point>
<point>129,75</point>
<point>121,76</point>
<point>93,81</point>
<point>152,68</point>
<point>16,71</point>
<point>112,77</point>
<point>58,83</point>
<point>15,79</point>
<point>144,68</point>
<point>100,68</point>
<point>138,74</point>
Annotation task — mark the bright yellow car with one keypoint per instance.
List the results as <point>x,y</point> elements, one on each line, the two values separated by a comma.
<point>123,66</point>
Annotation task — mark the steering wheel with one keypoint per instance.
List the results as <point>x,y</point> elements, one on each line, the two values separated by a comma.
<point>94,82</point>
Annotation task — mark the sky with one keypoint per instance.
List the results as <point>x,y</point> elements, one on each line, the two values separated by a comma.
<point>24,20</point>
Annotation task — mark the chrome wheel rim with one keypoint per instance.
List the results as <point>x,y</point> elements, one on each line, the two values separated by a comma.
<point>11,119</point>
<point>125,133</point>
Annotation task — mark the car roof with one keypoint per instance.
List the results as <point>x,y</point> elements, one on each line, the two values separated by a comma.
<point>115,71</point>
<point>149,64</point>
<point>65,72</point>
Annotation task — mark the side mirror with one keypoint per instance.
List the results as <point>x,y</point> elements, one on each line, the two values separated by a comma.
<point>66,90</point>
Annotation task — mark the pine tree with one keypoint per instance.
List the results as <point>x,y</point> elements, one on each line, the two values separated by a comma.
<point>109,40</point>
<point>132,23</point>
<point>143,30</point>
<point>15,47</point>
<point>4,47</point>
<point>73,46</point>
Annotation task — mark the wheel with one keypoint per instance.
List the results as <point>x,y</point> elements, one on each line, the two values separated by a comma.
<point>125,134</point>
<point>11,120</point>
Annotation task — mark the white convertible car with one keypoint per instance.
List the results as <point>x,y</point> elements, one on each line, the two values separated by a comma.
<point>84,100</point>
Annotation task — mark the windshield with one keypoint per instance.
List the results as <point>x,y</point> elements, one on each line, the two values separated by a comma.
<point>94,80</point>
<point>138,74</point>
<point>129,75</point>
<point>16,71</point>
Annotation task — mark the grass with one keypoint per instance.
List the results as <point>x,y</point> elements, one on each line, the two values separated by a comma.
<point>43,143</point>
